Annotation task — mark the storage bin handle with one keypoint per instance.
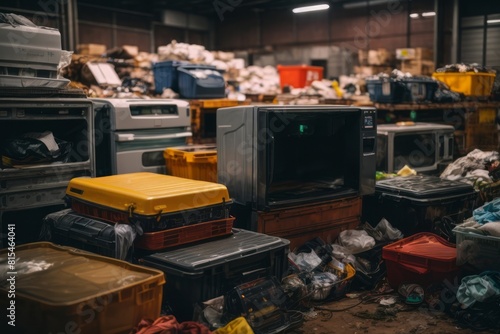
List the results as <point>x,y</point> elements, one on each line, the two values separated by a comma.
<point>264,270</point>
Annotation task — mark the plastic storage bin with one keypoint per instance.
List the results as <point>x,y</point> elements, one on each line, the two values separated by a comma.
<point>299,76</point>
<point>468,83</point>
<point>423,258</point>
<point>200,82</point>
<point>419,90</point>
<point>477,250</point>
<point>197,162</point>
<point>165,75</point>
<point>207,270</point>
<point>386,90</point>
<point>59,289</point>
<point>325,220</point>
<point>68,228</point>
<point>184,235</point>
<point>413,203</point>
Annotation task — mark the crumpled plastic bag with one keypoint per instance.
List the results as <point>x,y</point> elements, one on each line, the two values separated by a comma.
<point>343,254</point>
<point>31,148</point>
<point>356,241</point>
<point>15,20</point>
<point>305,261</point>
<point>64,61</point>
<point>125,235</point>
<point>384,231</point>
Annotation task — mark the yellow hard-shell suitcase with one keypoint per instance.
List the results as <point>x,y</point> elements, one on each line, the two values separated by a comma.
<point>156,201</point>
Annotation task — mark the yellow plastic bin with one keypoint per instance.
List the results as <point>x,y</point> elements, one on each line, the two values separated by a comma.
<point>196,162</point>
<point>468,83</point>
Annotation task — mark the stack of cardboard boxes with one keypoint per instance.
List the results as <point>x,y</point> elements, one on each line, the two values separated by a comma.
<point>372,62</point>
<point>416,61</point>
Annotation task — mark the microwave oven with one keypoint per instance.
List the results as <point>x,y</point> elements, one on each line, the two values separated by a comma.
<point>132,134</point>
<point>270,157</point>
<point>420,146</point>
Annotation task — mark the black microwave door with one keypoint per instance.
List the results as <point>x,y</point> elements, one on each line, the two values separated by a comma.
<point>307,157</point>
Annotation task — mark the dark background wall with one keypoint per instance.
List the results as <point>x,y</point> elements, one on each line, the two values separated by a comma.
<point>257,31</point>
<point>383,26</point>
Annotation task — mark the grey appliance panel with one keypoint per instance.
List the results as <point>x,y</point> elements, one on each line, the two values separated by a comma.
<point>123,117</point>
<point>236,153</point>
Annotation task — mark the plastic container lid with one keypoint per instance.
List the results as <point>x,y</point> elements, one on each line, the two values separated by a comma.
<point>62,276</point>
<point>201,256</point>
<point>422,187</point>
<point>427,245</point>
<point>423,252</point>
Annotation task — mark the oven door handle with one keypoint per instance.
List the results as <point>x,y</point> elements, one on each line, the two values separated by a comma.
<point>122,137</point>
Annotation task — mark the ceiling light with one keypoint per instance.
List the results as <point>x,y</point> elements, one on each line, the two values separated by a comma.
<point>428,14</point>
<point>492,21</point>
<point>414,15</point>
<point>310,8</point>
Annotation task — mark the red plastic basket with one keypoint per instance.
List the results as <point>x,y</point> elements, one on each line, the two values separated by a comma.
<point>184,235</point>
<point>299,76</point>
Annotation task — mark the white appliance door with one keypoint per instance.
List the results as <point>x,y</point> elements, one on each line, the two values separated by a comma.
<point>142,151</point>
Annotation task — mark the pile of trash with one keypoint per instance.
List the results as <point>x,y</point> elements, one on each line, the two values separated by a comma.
<point>463,68</point>
<point>197,54</point>
<point>258,80</point>
<point>321,271</point>
<point>476,168</point>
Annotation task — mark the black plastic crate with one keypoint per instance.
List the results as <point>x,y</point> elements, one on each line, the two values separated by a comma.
<point>207,270</point>
<point>68,228</point>
<point>414,204</point>
<point>386,90</point>
<point>201,82</point>
<point>166,76</point>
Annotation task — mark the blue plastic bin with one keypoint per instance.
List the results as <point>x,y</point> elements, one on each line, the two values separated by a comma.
<point>165,75</point>
<point>200,82</point>
<point>386,90</point>
<point>419,90</point>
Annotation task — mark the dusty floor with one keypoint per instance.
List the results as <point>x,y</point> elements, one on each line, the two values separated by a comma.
<point>357,314</point>
<point>357,320</point>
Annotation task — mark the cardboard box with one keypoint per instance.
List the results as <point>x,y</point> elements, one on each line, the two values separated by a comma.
<point>91,49</point>
<point>367,71</point>
<point>380,57</point>
<point>363,57</point>
<point>132,50</point>
<point>417,67</point>
<point>414,53</point>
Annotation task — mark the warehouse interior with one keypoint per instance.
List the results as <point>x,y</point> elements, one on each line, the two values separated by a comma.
<point>260,166</point>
